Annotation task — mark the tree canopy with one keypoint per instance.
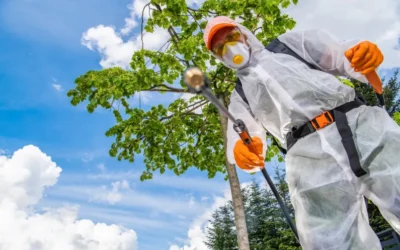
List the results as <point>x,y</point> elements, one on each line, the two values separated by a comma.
<point>175,137</point>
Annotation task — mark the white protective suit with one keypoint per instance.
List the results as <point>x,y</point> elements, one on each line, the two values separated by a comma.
<point>328,198</point>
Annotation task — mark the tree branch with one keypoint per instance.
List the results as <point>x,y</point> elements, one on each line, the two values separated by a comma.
<point>166,90</point>
<point>167,87</point>
<point>181,60</point>
<point>167,42</point>
<point>200,133</point>
<point>141,33</point>
<point>254,31</point>
<point>173,34</point>
<point>194,104</point>
<point>194,19</point>
<point>196,107</point>
<point>189,112</point>
<point>210,12</point>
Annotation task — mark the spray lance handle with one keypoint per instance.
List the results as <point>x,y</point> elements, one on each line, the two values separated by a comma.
<point>198,83</point>
<point>243,132</point>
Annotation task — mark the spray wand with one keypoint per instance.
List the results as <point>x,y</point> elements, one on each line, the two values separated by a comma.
<point>197,82</point>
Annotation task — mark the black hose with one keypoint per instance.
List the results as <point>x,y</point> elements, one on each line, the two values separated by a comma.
<point>282,205</point>
<point>381,100</point>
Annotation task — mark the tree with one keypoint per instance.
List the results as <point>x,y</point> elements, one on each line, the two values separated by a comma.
<point>223,235</point>
<point>258,212</point>
<point>266,224</point>
<point>288,240</point>
<point>391,93</point>
<point>176,137</point>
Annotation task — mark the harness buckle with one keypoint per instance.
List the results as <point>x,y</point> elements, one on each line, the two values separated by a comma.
<point>322,120</point>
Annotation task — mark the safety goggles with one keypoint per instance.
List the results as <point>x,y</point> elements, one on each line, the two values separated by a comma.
<point>234,36</point>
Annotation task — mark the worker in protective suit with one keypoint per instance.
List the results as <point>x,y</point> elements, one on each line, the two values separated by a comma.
<point>333,158</point>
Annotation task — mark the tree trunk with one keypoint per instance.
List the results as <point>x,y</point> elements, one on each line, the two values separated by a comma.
<point>238,206</point>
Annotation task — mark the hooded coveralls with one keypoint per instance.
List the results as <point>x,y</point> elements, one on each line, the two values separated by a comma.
<point>284,93</point>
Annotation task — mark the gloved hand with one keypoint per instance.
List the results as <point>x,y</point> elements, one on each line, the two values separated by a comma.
<point>247,160</point>
<point>364,57</point>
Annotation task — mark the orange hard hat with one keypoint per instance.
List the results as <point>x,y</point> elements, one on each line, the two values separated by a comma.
<point>214,25</point>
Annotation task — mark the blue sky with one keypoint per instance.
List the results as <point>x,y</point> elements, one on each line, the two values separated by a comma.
<point>40,47</point>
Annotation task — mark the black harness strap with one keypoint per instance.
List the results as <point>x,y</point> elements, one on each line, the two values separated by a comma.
<point>339,116</point>
<point>348,143</point>
<point>239,90</point>
<point>277,46</point>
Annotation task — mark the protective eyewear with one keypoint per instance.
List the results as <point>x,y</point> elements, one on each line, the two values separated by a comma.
<point>234,36</point>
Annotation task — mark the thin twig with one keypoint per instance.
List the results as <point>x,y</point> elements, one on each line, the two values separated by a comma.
<point>165,86</point>
<point>141,34</point>
<point>254,31</point>
<point>166,90</point>
<point>181,60</point>
<point>189,112</point>
<point>205,11</point>
<point>194,19</point>
<point>169,40</point>
<point>194,104</point>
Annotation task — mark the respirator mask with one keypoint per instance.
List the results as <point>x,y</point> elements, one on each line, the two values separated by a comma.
<point>233,51</point>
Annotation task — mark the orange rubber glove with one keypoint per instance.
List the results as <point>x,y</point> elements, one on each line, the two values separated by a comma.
<point>247,160</point>
<point>364,57</point>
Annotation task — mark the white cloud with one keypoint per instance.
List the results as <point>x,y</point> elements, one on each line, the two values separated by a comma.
<point>136,10</point>
<point>162,204</point>
<point>114,194</point>
<point>117,214</point>
<point>153,41</point>
<point>377,21</point>
<point>205,198</point>
<point>24,176</point>
<point>165,181</point>
<point>113,49</point>
<point>194,3</point>
<point>142,97</point>
<point>57,87</point>
<point>174,247</point>
<point>87,157</point>
<point>101,167</point>
<point>192,202</point>
<point>197,230</point>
